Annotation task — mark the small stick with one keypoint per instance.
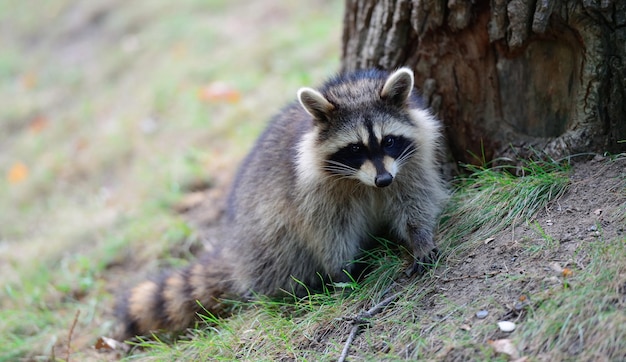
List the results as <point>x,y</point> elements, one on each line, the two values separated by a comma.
<point>346,347</point>
<point>361,319</point>
<point>69,336</point>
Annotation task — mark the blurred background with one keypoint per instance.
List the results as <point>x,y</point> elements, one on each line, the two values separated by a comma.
<point>108,109</point>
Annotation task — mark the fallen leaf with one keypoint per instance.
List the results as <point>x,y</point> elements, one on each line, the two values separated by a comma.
<point>17,173</point>
<point>504,346</point>
<point>218,91</point>
<point>567,272</point>
<point>103,343</point>
<point>597,212</point>
<point>343,285</point>
<point>110,344</point>
<point>488,240</point>
<point>522,298</point>
<point>465,327</point>
<point>38,124</point>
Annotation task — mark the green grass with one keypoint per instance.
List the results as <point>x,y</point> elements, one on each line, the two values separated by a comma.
<point>585,319</point>
<point>490,199</point>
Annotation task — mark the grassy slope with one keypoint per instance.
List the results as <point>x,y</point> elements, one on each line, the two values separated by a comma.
<point>107,113</point>
<point>578,315</point>
<point>104,104</point>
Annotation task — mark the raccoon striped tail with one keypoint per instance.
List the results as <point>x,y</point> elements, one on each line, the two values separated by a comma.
<point>172,301</point>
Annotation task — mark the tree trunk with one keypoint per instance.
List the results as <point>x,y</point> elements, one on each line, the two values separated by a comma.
<point>507,77</point>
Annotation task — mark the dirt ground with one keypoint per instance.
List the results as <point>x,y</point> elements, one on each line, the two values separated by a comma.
<point>584,214</point>
<point>587,213</point>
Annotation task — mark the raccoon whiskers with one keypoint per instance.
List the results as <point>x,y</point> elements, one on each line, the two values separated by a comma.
<point>406,155</point>
<point>335,176</point>
<point>339,168</point>
<point>340,171</point>
<point>335,173</point>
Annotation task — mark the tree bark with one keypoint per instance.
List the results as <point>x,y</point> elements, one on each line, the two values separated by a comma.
<point>509,78</point>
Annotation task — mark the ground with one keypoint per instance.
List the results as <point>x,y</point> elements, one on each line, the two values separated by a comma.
<point>513,275</point>
<point>506,275</point>
<point>122,125</point>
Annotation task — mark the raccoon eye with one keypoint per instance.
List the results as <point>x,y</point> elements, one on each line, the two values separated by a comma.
<point>389,141</point>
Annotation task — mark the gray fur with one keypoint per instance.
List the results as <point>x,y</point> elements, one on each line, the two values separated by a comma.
<point>289,219</point>
<point>289,224</point>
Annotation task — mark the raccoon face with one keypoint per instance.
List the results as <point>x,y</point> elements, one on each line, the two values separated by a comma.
<point>365,132</point>
<point>374,157</point>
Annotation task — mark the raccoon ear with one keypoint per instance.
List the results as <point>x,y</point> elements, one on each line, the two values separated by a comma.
<point>315,104</point>
<point>398,86</point>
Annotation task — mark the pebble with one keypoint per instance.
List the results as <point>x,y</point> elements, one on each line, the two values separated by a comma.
<point>506,326</point>
<point>482,314</point>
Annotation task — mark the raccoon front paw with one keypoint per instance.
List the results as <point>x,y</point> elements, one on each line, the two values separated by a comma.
<point>422,264</point>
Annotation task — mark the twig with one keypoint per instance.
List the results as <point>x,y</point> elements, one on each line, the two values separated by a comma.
<point>346,347</point>
<point>361,319</point>
<point>477,276</point>
<point>69,336</point>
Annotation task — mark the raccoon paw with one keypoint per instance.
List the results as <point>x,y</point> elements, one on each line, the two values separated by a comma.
<point>421,265</point>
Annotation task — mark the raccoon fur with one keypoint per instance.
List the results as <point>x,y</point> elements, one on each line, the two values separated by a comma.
<point>355,158</point>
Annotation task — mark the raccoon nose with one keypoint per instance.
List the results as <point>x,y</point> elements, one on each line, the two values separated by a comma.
<point>383,179</point>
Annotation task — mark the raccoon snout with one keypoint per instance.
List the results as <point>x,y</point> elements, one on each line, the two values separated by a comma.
<point>383,179</point>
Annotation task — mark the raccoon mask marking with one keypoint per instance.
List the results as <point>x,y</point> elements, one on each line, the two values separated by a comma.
<point>372,150</point>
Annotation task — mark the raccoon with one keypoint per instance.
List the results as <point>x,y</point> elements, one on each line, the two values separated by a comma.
<point>355,158</point>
